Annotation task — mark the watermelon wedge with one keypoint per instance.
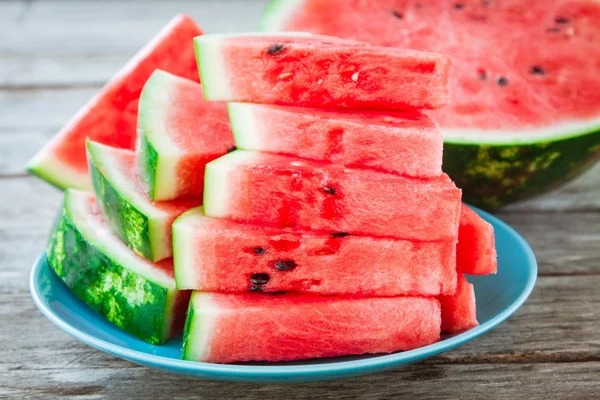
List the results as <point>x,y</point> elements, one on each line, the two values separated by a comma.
<point>291,327</point>
<point>524,115</point>
<point>220,255</point>
<point>319,71</point>
<point>270,189</point>
<point>143,225</point>
<point>179,132</point>
<point>476,248</point>
<point>110,117</point>
<point>134,294</point>
<point>406,143</point>
<point>458,310</point>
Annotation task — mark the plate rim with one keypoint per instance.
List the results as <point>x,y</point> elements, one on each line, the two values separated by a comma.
<point>236,371</point>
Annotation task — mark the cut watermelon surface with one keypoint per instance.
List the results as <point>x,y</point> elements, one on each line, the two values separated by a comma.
<point>284,191</point>
<point>290,327</point>
<point>143,225</point>
<point>179,132</point>
<point>524,115</point>
<point>110,117</point>
<point>476,248</point>
<point>406,143</point>
<point>214,254</point>
<point>319,71</point>
<point>134,294</point>
<point>458,310</point>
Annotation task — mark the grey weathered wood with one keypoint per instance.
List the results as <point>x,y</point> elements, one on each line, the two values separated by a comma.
<point>55,54</point>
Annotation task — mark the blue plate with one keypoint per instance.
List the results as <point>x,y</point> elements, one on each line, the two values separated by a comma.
<point>498,297</point>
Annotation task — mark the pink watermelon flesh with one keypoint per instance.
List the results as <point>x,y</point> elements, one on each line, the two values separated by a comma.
<point>499,80</point>
<point>405,143</point>
<point>213,254</point>
<point>196,130</point>
<point>291,327</point>
<point>276,190</point>
<point>110,117</point>
<point>476,249</point>
<point>458,310</point>
<point>320,71</point>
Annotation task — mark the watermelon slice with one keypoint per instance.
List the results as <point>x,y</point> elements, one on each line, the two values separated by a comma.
<point>291,326</point>
<point>179,132</point>
<point>476,249</point>
<point>524,115</point>
<point>403,142</point>
<point>220,255</point>
<point>134,294</point>
<point>319,71</point>
<point>143,225</point>
<point>458,310</point>
<point>282,191</point>
<point>110,117</point>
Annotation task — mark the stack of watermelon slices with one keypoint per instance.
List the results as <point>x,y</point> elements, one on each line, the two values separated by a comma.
<point>330,230</point>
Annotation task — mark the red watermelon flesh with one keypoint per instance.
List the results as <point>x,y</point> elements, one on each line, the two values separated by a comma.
<point>319,71</point>
<point>550,77</point>
<point>406,143</point>
<point>110,117</point>
<point>476,250</point>
<point>458,310</point>
<point>291,327</point>
<point>276,190</point>
<point>220,255</point>
<point>178,133</point>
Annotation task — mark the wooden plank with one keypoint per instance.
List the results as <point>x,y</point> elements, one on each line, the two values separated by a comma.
<point>92,27</point>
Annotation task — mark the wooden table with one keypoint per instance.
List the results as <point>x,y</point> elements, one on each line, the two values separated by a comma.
<point>54,55</point>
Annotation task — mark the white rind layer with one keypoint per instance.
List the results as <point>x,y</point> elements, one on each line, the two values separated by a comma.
<point>217,182</point>
<point>201,327</point>
<point>153,112</point>
<point>45,165</point>
<point>96,231</point>
<point>243,124</point>
<point>184,256</point>
<point>277,13</point>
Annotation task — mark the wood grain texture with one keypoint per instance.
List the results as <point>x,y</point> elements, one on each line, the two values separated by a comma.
<point>55,54</point>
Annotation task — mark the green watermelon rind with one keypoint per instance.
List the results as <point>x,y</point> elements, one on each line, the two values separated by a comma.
<point>496,168</point>
<point>93,266</point>
<point>199,325</point>
<point>144,230</point>
<point>158,155</point>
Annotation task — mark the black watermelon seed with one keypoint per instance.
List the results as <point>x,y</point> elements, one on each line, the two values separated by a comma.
<point>259,279</point>
<point>338,234</point>
<point>329,190</point>
<point>397,14</point>
<point>459,6</point>
<point>536,70</point>
<point>277,48</point>
<point>553,30</point>
<point>502,81</point>
<point>285,265</point>
<point>255,288</point>
<point>232,148</point>
<point>561,20</point>
<point>259,250</point>
<point>276,293</point>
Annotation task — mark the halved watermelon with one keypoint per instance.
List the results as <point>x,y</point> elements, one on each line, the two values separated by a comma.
<point>459,311</point>
<point>220,255</point>
<point>319,71</point>
<point>110,117</point>
<point>283,191</point>
<point>223,328</point>
<point>476,248</point>
<point>179,132</point>
<point>524,115</point>
<point>143,225</point>
<point>130,292</point>
<point>402,142</point>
